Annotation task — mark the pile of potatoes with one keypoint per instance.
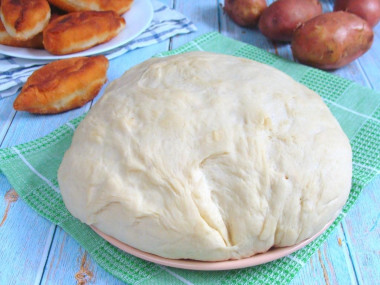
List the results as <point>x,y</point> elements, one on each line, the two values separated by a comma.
<point>323,40</point>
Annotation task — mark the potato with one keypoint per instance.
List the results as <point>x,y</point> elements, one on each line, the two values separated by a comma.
<point>369,10</point>
<point>245,13</point>
<point>281,18</point>
<point>332,40</point>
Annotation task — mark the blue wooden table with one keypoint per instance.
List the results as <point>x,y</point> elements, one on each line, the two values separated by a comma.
<point>33,251</point>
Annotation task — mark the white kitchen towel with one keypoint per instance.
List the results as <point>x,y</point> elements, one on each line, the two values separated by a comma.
<point>166,23</point>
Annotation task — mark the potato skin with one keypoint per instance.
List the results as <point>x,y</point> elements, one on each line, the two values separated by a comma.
<point>369,10</point>
<point>281,18</point>
<point>331,40</point>
<point>245,13</point>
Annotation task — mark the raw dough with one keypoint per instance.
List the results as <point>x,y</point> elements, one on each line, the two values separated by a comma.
<point>209,157</point>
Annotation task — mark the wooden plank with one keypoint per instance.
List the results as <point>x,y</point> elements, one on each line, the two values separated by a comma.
<point>203,13</point>
<point>68,263</point>
<point>23,236</point>
<point>7,114</point>
<point>331,264</point>
<point>370,62</point>
<point>362,232</point>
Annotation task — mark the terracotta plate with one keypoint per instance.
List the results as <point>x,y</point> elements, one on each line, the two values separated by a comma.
<point>257,259</point>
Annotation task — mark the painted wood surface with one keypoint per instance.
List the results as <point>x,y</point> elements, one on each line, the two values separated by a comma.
<point>33,251</point>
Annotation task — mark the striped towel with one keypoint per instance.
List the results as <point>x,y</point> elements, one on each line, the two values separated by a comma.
<point>165,24</point>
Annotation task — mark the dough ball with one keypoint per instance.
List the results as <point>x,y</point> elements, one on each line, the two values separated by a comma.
<point>208,157</point>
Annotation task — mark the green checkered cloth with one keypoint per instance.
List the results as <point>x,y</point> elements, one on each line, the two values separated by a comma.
<point>31,168</point>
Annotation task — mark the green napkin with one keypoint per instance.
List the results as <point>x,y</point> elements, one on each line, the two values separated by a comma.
<point>31,168</point>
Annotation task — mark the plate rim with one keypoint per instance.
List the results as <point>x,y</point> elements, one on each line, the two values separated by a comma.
<point>258,259</point>
<point>15,51</point>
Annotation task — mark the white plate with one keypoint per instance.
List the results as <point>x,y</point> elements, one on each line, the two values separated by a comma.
<point>137,20</point>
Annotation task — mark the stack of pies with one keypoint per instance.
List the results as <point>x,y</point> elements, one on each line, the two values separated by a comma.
<point>80,25</point>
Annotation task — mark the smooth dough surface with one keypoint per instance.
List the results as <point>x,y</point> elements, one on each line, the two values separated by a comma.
<point>209,157</point>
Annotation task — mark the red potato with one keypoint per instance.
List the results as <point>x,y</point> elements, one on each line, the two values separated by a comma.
<point>281,18</point>
<point>331,40</point>
<point>369,10</point>
<point>245,13</point>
